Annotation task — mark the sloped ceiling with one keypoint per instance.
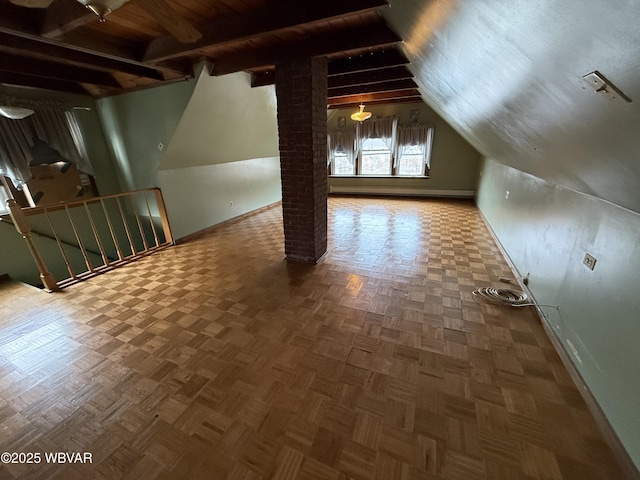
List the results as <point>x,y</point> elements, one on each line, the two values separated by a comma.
<point>508,75</point>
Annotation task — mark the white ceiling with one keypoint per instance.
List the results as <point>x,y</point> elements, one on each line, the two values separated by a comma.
<point>507,74</point>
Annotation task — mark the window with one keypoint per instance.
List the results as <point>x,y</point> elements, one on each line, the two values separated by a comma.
<point>411,161</point>
<point>414,150</point>
<point>342,165</point>
<point>341,151</point>
<point>379,147</point>
<point>376,157</point>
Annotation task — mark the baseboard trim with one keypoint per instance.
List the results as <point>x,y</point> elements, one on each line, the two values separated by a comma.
<point>611,437</point>
<point>212,228</point>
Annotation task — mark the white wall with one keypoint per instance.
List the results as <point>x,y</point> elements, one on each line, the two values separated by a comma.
<point>225,121</point>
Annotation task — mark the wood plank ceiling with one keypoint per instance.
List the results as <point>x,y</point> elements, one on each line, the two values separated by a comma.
<point>64,47</point>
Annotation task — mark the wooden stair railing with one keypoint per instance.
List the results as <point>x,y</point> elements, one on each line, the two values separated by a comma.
<point>131,231</point>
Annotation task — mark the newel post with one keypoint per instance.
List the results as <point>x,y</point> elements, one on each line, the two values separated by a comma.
<point>24,228</point>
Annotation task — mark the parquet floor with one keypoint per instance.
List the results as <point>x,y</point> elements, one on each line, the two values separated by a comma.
<point>217,359</point>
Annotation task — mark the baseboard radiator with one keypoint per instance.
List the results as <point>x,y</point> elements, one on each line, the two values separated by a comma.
<point>399,191</point>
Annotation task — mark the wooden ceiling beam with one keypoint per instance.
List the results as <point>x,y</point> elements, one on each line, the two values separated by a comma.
<point>262,79</point>
<point>284,15</point>
<point>359,63</point>
<point>90,42</point>
<point>374,35</point>
<point>53,70</point>
<point>375,76</point>
<point>388,101</point>
<point>70,56</point>
<point>390,86</point>
<point>368,98</point>
<point>30,30</point>
<point>12,78</point>
<point>367,61</point>
<point>19,18</point>
<point>20,29</point>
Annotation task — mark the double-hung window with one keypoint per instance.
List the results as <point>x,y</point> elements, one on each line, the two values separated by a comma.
<point>341,148</point>
<point>376,142</point>
<point>414,150</point>
<point>375,157</point>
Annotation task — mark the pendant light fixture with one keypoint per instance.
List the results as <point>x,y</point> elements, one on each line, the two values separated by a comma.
<point>15,113</point>
<point>9,110</point>
<point>361,116</point>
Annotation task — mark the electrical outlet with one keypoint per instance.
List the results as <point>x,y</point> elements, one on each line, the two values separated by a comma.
<point>230,204</point>
<point>506,195</point>
<point>589,261</point>
<point>604,87</point>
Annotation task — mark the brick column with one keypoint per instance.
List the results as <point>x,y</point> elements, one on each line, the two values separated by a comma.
<point>301,89</point>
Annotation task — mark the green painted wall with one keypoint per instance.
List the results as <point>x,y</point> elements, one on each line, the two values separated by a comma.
<point>454,162</point>
<point>135,123</point>
<point>223,160</point>
<point>98,151</point>
<point>546,230</point>
<point>199,197</point>
<point>220,140</point>
<point>16,260</point>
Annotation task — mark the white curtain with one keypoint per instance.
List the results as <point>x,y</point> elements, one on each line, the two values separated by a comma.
<point>383,128</point>
<point>411,135</point>
<point>84,164</point>
<point>16,142</point>
<point>342,142</point>
<point>53,125</point>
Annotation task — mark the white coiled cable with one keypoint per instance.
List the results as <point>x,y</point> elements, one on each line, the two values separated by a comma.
<point>502,296</point>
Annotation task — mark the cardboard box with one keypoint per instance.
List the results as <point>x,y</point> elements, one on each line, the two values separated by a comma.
<point>59,182</point>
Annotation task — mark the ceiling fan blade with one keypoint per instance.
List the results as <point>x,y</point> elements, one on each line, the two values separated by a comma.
<point>172,22</point>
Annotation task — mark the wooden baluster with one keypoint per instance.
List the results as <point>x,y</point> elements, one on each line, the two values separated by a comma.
<point>113,235</point>
<point>126,227</point>
<point>79,240</point>
<point>153,227</point>
<point>64,254</point>
<point>105,259</point>
<point>144,238</point>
